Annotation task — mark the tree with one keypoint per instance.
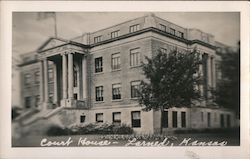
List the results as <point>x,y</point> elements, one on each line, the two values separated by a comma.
<point>228,88</point>
<point>170,81</point>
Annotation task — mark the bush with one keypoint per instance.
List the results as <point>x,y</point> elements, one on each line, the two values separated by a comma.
<point>95,128</point>
<point>104,129</point>
<point>123,129</point>
<point>55,130</point>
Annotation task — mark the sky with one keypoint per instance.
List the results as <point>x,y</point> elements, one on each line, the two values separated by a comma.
<point>29,33</point>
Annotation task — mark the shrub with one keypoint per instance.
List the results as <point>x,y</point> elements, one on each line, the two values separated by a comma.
<point>102,129</point>
<point>55,130</point>
<point>122,129</point>
<point>95,128</point>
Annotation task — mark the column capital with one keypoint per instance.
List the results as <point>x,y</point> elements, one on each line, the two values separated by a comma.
<point>68,51</point>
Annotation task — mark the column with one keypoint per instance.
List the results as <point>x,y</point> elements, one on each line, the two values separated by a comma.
<point>46,93</point>
<point>55,82</point>
<point>209,81</point>
<point>41,82</point>
<point>64,75</point>
<point>209,71</point>
<point>70,76</point>
<point>201,74</point>
<point>214,72</point>
<point>84,77</point>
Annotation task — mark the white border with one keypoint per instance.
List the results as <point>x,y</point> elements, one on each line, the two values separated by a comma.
<point>6,151</point>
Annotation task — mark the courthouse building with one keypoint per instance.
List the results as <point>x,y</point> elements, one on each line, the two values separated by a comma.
<point>95,78</point>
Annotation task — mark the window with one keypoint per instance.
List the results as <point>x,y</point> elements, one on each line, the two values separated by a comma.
<point>37,76</point>
<point>183,119</point>
<point>82,118</point>
<point>98,64</point>
<point>134,28</point>
<point>99,93</point>
<point>37,100</point>
<point>135,86</point>
<point>27,102</point>
<point>116,91</point>
<point>99,117</point>
<point>174,119</point>
<point>116,61</point>
<point>135,57</point>
<point>50,75</point>
<point>75,96</point>
<point>228,121</point>
<point>115,34</point>
<point>51,97</point>
<point>117,118</point>
<point>163,27</point>
<point>208,119</point>
<point>215,117</point>
<point>136,119</point>
<point>97,39</point>
<point>163,50</point>
<point>222,125</point>
<point>164,121</point>
<point>172,31</point>
<point>75,72</point>
<point>180,34</point>
<point>27,79</point>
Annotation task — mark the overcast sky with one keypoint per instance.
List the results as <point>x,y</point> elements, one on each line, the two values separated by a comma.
<point>30,33</point>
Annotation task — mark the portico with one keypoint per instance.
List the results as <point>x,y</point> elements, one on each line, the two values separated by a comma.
<point>69,66</point>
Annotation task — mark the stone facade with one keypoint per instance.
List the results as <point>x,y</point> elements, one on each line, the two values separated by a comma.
<point>83,75</point>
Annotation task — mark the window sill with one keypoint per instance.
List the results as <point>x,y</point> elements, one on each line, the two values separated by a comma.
<point>99,102</point>
<point>98,73</point>
<point>116,70</point>
<point>136,98</point>
<point>116,100</point>
<point>135,66</point>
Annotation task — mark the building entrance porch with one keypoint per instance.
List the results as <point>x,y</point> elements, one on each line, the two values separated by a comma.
<point>69,78</point>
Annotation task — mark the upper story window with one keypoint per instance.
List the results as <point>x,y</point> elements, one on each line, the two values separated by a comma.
<point>97,39</point>
<point>116,91</point>
<point>180,34</point>
<point>99,117</point>
<point>99,93</point>
<point>163,27</point>
<point>135,86</point>
<point>115,34</point>
<point>37,100</point>
<point>75,72</point>
<point>98,64</point>
<point>135,57</point>
<point>116,61</point>
<point>50,74</point>
<point>172,31</point>
<point>27,79</point>
<point>37,76</point>
<point>134,28</point>
<point>163,50</point>
<point>27,102</point>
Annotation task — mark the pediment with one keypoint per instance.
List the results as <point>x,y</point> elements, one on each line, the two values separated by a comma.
<point>51,43</point>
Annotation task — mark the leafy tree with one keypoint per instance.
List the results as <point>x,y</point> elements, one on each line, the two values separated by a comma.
<point>170,81</point>
<point>228,88</point>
